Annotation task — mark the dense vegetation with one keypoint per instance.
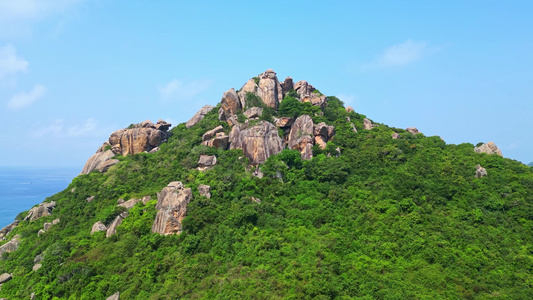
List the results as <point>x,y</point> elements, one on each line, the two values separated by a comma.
<point>385,219</point>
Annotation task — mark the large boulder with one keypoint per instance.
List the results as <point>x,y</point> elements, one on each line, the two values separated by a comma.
<point>42,210</point>
<point>10,246</point>
<point>206,162</point>
<point>253,112</point>
<point>489,148</point>
<point>216,138</point>
<point>301,136</point>
<point>258,142</point>
<point>287,85</point>
<point>98,161</point>
<point>172,208</point>
<point>112,229</point>
<point>230,104</point>
<point>204,190</point>
<point>98,226</point>
<point>480,171</point>
<point>5,278</point>
<point>6,230</point>
<point>413,130</point>
<point>323,133</point>
<point>199,115</point>
<point>270,89</point>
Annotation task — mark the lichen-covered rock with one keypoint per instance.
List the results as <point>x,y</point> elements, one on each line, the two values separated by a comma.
<point>489,148</point>
<point>43,210</point>
<point>112,229</point>
<point>172,208</point>
<point>40,232</point>
<point>258,142</point>
<point>199,115</point>
<point>206,161</point>
<point>104,166</point>
<point>480,171</point>
<point>98,226</point>
<point>303,88</point>
<point>353,127</point>
<point>204,190</point>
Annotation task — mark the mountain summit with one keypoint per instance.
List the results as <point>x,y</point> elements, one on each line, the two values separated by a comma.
<point>278,192</point>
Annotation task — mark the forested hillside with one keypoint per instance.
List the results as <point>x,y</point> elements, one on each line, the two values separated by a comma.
<point>365,216</point>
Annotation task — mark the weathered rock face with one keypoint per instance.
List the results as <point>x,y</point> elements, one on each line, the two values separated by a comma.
<point>129,204</point>
<point>230,103</point>
<point>480,171</point>
<point>270,89</point>
<point>204,190</point>
<point>199,116</point>
<point>10,246</point>
<point>112,229</point>
<point>489,148</point>
<point>43,210</point>
<point>301,136</point>
<point>98,161</point>
<point>323,133</point>
<point>216,138</point>
<point>253,112</point>
<point>206,162</point>
<point>98,226</point>
<point>6,230</point>
<point>303,88</point>
<point>257,142</point>
<point>283,122</point>
<point>287,85</point>
<point>172,208</point>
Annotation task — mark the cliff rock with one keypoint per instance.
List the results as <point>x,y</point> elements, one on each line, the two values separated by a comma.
<point>172,207</point>
<point>199,116</point>
<point>287,85</point>
<point>301,136</point>
<point>98,161</point>
<point>43,210</point>
<point>270,89</point>
<point>257,142</point>
<point>253,112</point>
<point>230,104</point>
<point>489,148</point>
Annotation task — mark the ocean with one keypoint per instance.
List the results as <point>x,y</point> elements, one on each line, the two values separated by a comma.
<point>23,187</point>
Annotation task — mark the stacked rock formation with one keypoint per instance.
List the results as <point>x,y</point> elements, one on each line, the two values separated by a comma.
<point>137,138</point>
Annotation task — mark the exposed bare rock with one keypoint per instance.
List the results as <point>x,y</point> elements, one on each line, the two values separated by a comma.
<point>413,130</point>
<point>211,133</point>
<point>322,134</point>
<point>153,150</point>
<point>480,171</point>
<point>47,226</point>
<point>139,137</point>
<point>287,85</point>
<point>104,166</point>
<point>40,232</point>
<point>301,136</point>
<point>315,99</point>
<point>353,127</point>
<point>395,135</point>
<point>221,115</point>
<point>112,229</point>
<point>199,116</point>
<point>43,210</point>
<point>172,207</point>
<point>10,246</point>
<point>129,204</point>
<point>36,267</point>
<point>97,161</point>
<point>283,121</point>
<point>90,198</point>
<point>349,109</point>
<point>115,296</point>
<point>98,226</point>
<point>489,148</point>
<point>6,230</point>
<point>145,199</point>
<point>162,125</point>
<point>249,87</point>
<point>5,278</point>
<point>253,112</point>
<point>204,190</point>
<point>303,88</point>
<point>270,89</point>
<point>367,124</point>
<point>230,103</point>
<point>257,142</point>
<point>206,162</point>
<point>256,200</point>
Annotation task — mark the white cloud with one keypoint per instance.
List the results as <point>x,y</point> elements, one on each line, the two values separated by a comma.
<point>22,100</point>
<point>400,55</point>
<point>58,129</point>
<point>10,63</point>
<point>180,90</point>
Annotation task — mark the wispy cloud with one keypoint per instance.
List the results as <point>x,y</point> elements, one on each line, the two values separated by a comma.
<point>180,90</point>
<point>23,100</point>
<point>10,62</point>
<point>59,129</point>
<point>399,55</point>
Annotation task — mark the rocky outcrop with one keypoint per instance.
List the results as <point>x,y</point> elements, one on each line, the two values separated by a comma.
<point>129,204</point>
<point>36,267</point>
<point>230,105</point>
<point>204,190</point>
<point>112,229</point>
<point>98,226</point>
<point>283,122</point>
<point>99,161</point>
<point>10,246</point>
<point>367,124</point>
<point>489,148</point>
<point>287,85</point>
<point>270,89</point>
<point>258,142</point>
<point>216,138</point>
<point>308,93</point>
<point>206,162</point>
<point>43,210</point>
<point>301,136</point>
<point>115,296</point>
<point>172,208</point>
<point>6,230</point>
<point>480,171</point>
<point>413,130</point>
<point>323,133</point>
<point>395,136</point>
<point>349,109</point>
<point>253,112</point>
<point>199,116</point>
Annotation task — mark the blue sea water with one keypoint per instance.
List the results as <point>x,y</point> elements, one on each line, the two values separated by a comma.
<point>23,187</point>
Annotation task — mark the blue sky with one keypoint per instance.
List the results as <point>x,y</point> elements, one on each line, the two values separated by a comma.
<point>73,71</point>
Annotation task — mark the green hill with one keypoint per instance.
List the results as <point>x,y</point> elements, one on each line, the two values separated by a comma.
<point>367,217</point>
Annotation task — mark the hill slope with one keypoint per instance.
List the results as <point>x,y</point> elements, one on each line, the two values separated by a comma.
<point>364,215</point>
